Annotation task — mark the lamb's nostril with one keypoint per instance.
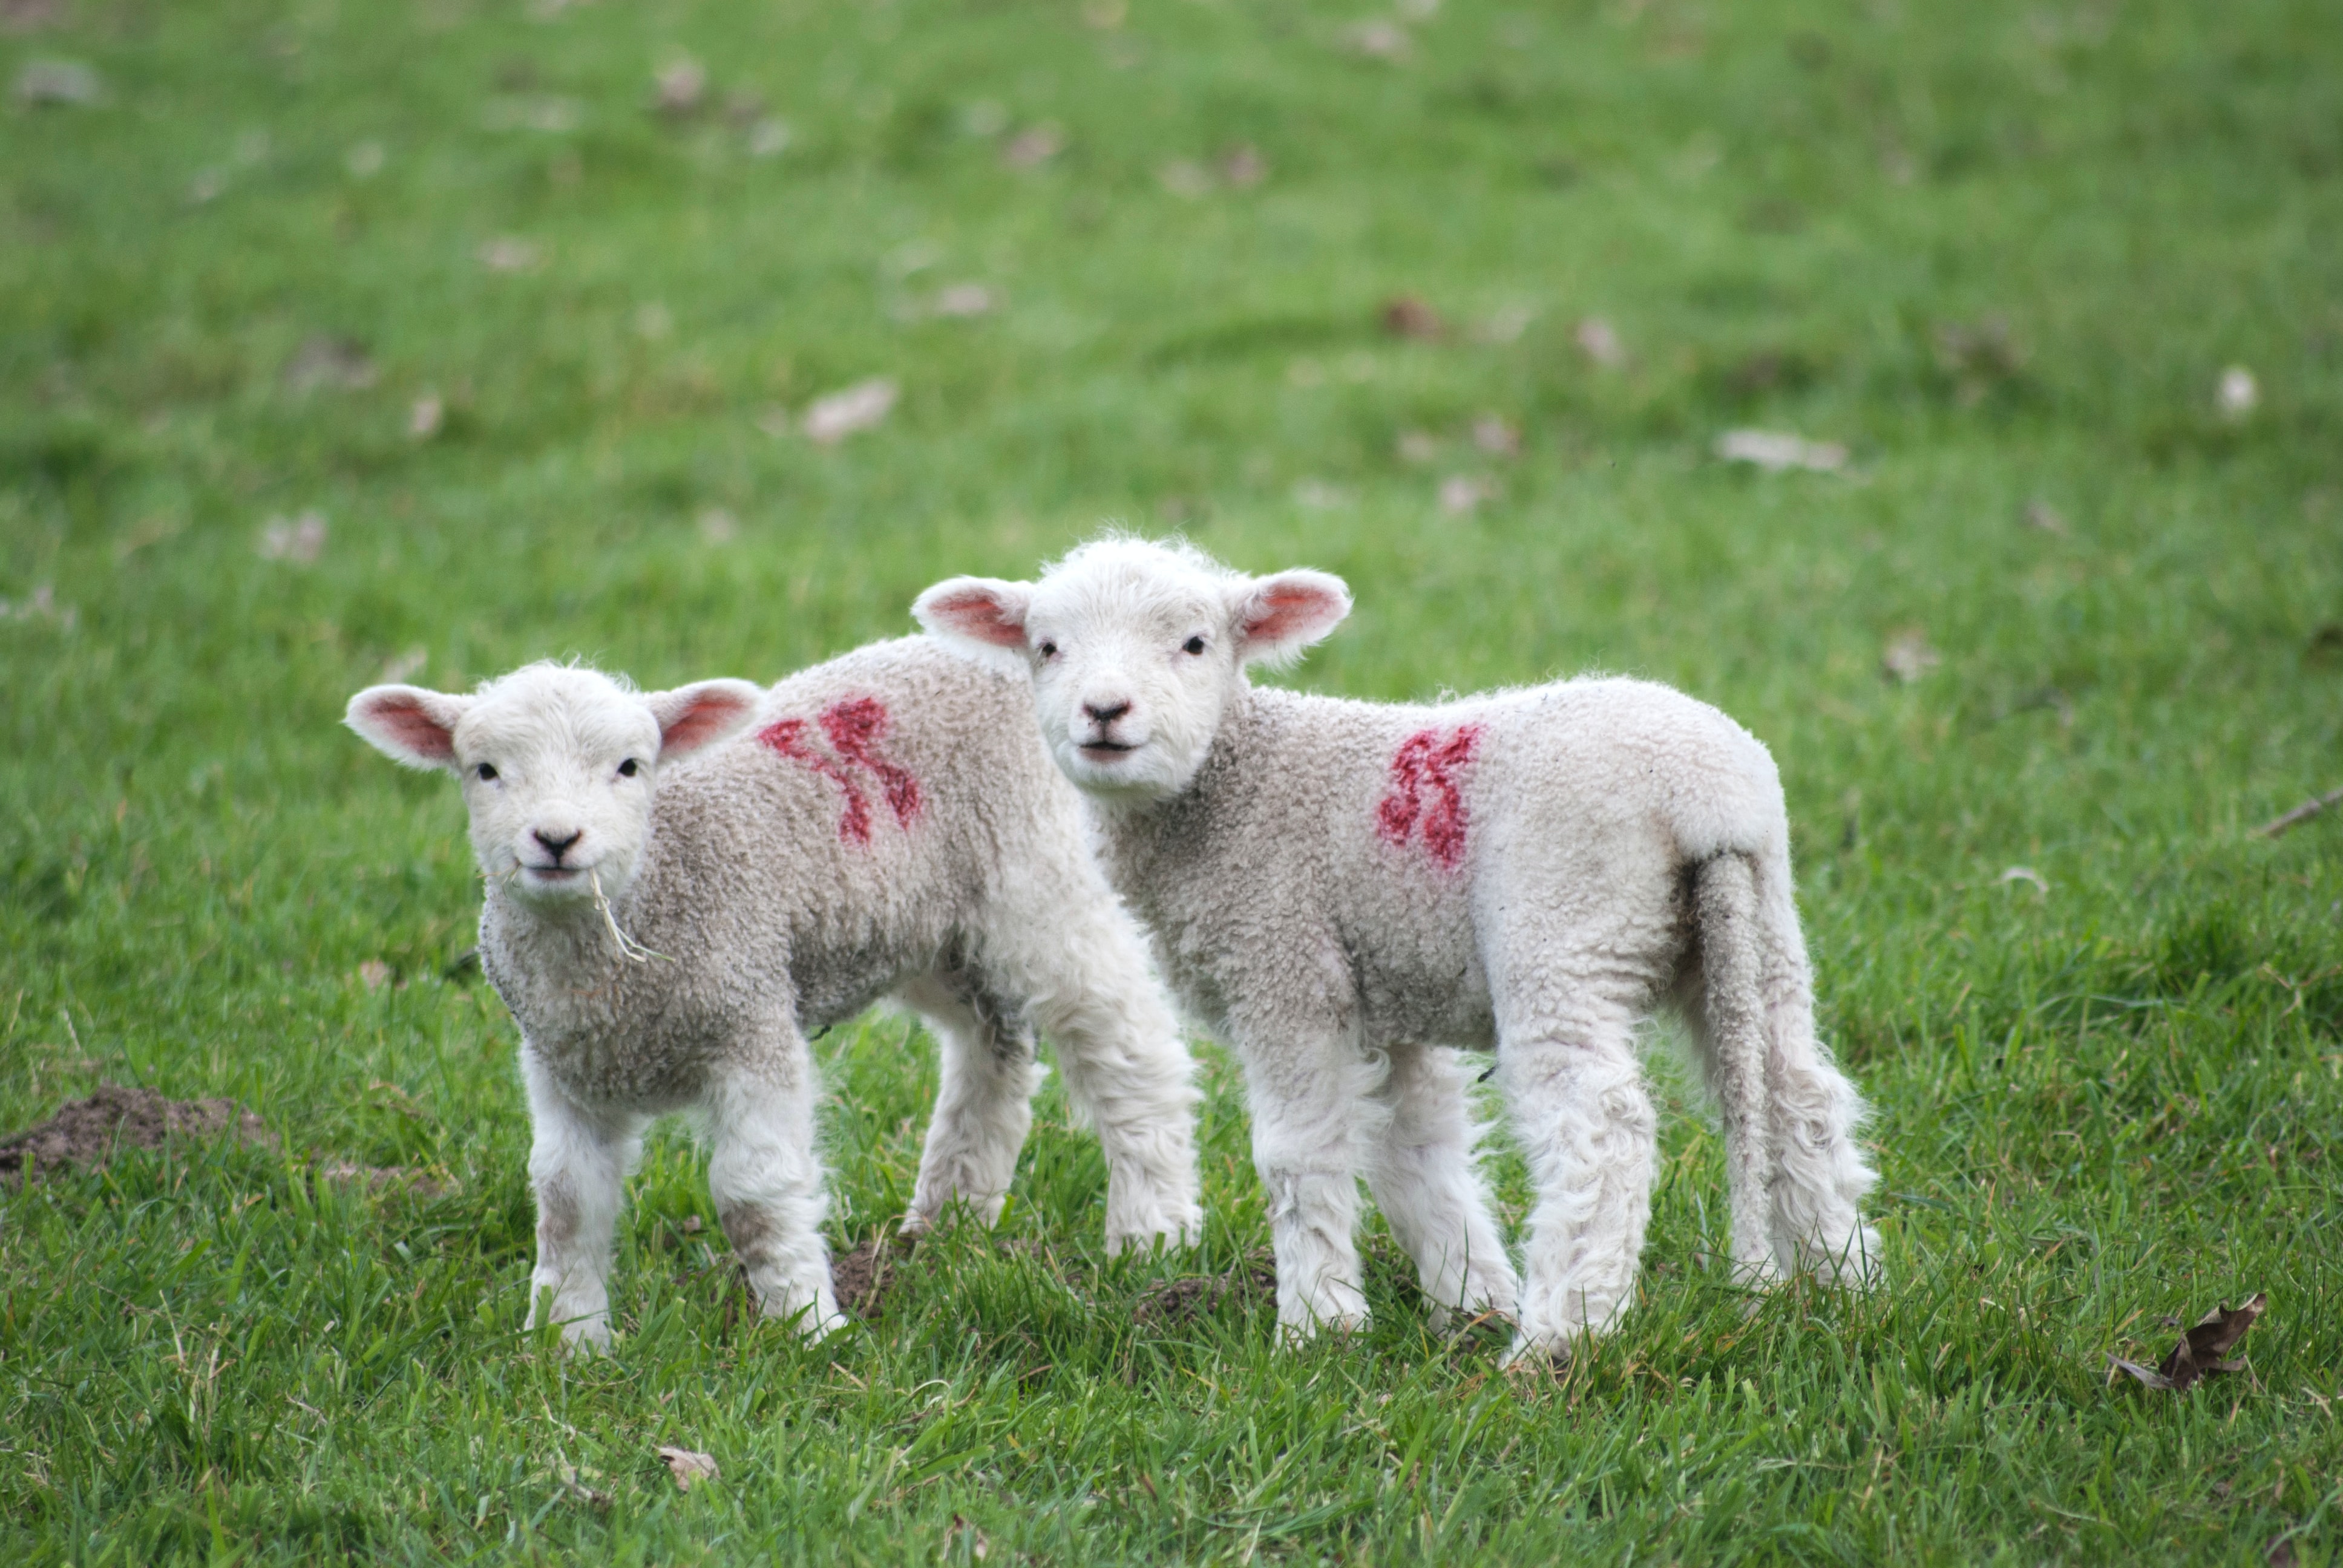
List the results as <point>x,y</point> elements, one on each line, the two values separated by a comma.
<point>1105,713</point>
<point>557,847</point>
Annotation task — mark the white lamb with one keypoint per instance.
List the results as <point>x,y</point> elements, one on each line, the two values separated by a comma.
<point>667,929</point>
<point>1334,887</point>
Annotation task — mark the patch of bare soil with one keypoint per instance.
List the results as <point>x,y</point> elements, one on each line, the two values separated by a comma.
<point>87,1133</point>
<point>1176,1301</point>
<point>864,1276</point>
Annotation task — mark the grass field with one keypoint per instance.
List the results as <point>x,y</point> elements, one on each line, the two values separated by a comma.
<point>532,355</point>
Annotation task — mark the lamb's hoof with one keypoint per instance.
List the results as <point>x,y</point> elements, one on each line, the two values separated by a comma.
<point>1538,1356</point>
<point>1169,1235</point>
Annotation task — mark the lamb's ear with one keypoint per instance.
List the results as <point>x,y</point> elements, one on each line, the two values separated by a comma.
<point>694,716</point>
<point>409,724</point>
<point>1277,616</point>
<point>976,610</point>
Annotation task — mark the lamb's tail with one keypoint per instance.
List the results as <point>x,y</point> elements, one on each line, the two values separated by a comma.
<point>1797,1175</point>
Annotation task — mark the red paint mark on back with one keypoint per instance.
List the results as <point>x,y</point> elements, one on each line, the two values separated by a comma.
<point>853,727</point>
<point>1427,794</point>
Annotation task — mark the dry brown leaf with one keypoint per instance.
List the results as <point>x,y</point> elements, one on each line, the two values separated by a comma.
<point>1775,451</point>
<point>978,1546</point>
<point>1408,315</point>
<point>1034,147</point>
<point>689,1467</point>
<point>374,974</point>
<point>964,299</point>
<point>1379,40</point>
<point>1599,341</point>
<point>1460,493</point>
<point>1909,656</point>
<point>858,408</point>
<point>299,540</point>
<point>324,360</point>
<point>1497,435</point>
<point>1243,166</point>
<point>680,85</point>
<point>58,81</point>
<point>2204,1348</point>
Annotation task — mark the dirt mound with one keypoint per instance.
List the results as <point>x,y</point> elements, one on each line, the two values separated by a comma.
<point>86,1133</point>
<point>863,1277</point>
<point>1176,1301</point>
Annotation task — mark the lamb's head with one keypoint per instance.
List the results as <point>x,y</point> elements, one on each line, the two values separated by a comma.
<point>1136,649</point>
<point>556,765</point>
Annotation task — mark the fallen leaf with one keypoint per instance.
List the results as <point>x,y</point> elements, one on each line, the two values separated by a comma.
<point>1599,341</point>
<point>2041,514</point>
<point>1460,493</point>
<point>405,666</point>
<point>1378,40</point>
<point>509,254</point>
<point>578,1490</point>
<point>2204,1348</point>
<point>2238,393</point>
<point>769,136</point>
<point>299,539</point>
<point>678,86</point>
<point>1318,495</point>
<point>719,526</point>
<point>58,81</point>
<point>1909,656</point>
<point>29,16</point>
<point>977,1543</point>
<point>374,974</point>
<point>689,1467</point>
<point>1506,326</point>
<point>1032,147</point>
<point>1775,451</point>
<point>1185,177</point>
<point>206,186</point>
<point>1243,166</point>
<point>424,416</point>
<point>326,360</point>
<point>365,160</point>
<point>962,299</point>
<point>1407,315</point>
<point>1497,436</point>
<point>1416,447</point>
<point>860,406</point>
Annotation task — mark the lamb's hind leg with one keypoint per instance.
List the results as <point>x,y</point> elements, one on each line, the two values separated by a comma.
<point>983,1098</point>
<point>1422,1172</point>
<point>767,1182</point>
<point>1576,1090</point>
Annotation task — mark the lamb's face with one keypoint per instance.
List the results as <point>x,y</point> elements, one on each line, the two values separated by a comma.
<point>556,765</point>
<point>1136,649</point>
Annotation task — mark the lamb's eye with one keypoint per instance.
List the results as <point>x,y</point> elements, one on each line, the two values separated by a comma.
<point>484,771</point>
<point>1193,645</point>
<point>1049,650</point>
<point>629,767</point>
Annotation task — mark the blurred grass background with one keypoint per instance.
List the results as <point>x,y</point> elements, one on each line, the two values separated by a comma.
<point>436,337</point>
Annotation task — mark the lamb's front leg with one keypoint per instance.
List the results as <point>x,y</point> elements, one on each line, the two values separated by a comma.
<point>1421,1172</point>
<point>577,1165</point>
<point>1306,1098</point>
<point>767,1182</point>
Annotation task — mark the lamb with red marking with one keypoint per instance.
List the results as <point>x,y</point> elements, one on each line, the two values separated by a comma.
<point>672,911</point>
<point>1340,888</point>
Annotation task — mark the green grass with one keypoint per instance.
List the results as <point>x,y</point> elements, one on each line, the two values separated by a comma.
<point>2099,1103</point>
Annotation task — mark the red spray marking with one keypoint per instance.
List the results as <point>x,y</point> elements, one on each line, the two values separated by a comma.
<point>853,727</point>
<point>1425,790</point>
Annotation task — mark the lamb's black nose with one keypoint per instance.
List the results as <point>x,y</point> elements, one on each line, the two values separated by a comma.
<point>557,847</point>
<point>1104,716</point>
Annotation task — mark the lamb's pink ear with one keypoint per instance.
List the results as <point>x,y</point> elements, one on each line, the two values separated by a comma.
<point>1278,617</point>
<point>980,610</point>
<point>409,724</point>
<point>692,716</point>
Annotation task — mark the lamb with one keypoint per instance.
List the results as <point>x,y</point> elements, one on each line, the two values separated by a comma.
<point>669,915</point>
<point>1335,888</point>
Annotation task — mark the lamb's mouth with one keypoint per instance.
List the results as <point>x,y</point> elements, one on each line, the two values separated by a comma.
<point>552,876</point>
<point>1106,750</point>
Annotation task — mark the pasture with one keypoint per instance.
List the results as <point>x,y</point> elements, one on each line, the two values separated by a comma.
<point>435,336</point>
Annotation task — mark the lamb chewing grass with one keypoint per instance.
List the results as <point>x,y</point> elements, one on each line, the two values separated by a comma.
<point>1339,888</point>
<point>673,907</point>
